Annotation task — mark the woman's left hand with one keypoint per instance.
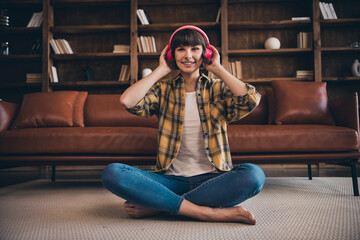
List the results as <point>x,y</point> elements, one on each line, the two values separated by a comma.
<point>214,61</point>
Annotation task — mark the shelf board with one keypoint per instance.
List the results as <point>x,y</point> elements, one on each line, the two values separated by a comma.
<point>339,49</point>
<point>173,26</point>
<point>334,79</point>
<point>269,51</point>
<point>90,28</point>
<point>7,30</point>
<point>81,56</point>
<point>269,24</point>
<point>340,22</point>
<point>90,84</point>
<point>267,80</point>
<point>88,3</point>
<point>181,2</point>
<point>21,57</point>
<point>19,85</point>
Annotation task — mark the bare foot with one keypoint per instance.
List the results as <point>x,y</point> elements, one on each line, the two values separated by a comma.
<point>137,211</point>
<point>233,214</point>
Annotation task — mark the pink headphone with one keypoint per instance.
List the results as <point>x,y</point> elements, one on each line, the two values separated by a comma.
<point>208,51</point>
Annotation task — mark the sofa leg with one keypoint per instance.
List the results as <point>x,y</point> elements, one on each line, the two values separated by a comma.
<point>309,172</point>
<point>354,178</point>
<point>53,173</point>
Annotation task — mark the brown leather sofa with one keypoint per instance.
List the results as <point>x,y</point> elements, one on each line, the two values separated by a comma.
<point>294,123</point>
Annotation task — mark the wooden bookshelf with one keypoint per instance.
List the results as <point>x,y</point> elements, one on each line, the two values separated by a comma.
<point>93,27</point>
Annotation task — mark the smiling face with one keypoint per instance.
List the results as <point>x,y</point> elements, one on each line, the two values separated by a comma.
<point>189,58</point>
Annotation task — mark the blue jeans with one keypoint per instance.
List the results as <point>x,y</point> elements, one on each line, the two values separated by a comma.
<point>166,192</point>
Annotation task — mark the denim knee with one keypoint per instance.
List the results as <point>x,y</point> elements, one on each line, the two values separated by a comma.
<point>110,174</point>
<point>255,176</point>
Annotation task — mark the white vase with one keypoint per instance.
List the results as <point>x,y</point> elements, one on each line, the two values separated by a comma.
<point>145,72</point>
<point>272,43</point>
<point>355,69</point>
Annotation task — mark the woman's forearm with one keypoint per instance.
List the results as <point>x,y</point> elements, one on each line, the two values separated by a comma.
<point>137,91</point>
<point>236,86</point>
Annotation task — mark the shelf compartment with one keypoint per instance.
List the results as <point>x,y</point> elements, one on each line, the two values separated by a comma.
<point>90,28</point>
<point>90,83</point>
<point>268,24</point>
<point>280,51</point>
<point>339,22</point>
<point>173,26</point>
<point>334,79</point>
<point>20,30</point>
<point>24,57</point>
<point>88,56</point>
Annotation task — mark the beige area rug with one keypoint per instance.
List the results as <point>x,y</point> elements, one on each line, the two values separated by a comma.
<point>287,208</point>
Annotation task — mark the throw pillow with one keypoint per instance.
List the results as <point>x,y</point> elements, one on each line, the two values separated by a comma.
<point>79,109</point>
<point>46,109</point>
<point>301,103</point>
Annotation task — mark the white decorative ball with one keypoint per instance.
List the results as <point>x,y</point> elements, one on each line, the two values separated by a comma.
<point>145,72</point>
<point>272,43</point>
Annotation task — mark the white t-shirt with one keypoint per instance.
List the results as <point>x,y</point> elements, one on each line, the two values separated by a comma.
<point>191,159</point>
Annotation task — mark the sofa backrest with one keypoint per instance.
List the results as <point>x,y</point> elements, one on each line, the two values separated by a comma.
<point>106,110</point>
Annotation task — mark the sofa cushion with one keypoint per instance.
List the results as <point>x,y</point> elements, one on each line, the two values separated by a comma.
<point>46,109</point>
<point>7,113</point>
<point>79,109</point>
<point>291,138</point>
<point>106,110</point>
<point>301,103</point>
<point>88,140</point>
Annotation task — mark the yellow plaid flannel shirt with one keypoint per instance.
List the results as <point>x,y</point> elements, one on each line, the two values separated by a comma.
<point>217,107</point>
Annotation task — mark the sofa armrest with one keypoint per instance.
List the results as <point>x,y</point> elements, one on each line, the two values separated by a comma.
<point>345,111</point>
<point>8,112</point>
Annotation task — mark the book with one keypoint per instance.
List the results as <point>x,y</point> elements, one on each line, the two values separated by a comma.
<point>121,49</point>
<point>300,18</point>
<point>332,10</point>
<point>218,15</point>
<point>235,68</point>
<point>35,20</point>
<point>322,10</point>
<point>146,44</point>
<point>33,78</point>
<point>143,17</point>
<point>304,40</point>
<point>60,46</point>
<point>304,73</point>
<point>54,74</point>
<point>124,75</point>
<point>327,10</point>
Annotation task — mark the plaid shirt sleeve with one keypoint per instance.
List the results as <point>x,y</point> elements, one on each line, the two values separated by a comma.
<point>236,107</point>
<point>149,104</point>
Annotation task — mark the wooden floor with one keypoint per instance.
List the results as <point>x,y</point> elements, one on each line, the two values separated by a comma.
<point>19,175</point>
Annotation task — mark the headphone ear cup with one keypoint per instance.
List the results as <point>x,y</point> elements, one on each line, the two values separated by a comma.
<point>168,55</point>
<point>208,53</point>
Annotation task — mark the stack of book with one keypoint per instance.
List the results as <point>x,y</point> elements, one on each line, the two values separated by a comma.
<point>304,40</point>
<point>236,69</point>
<point>53,75</point>
<point>327,10</point>
<point>121,49</point>
<point>61,46</point>
<point>143,17</point>
<point>146,44</point>
<point>304,74</point>
<point>36,20</point>
<point>33,78</point>
<point>124,73</point>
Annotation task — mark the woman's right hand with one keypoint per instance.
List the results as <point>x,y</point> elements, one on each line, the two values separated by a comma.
<point>163,62</point>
